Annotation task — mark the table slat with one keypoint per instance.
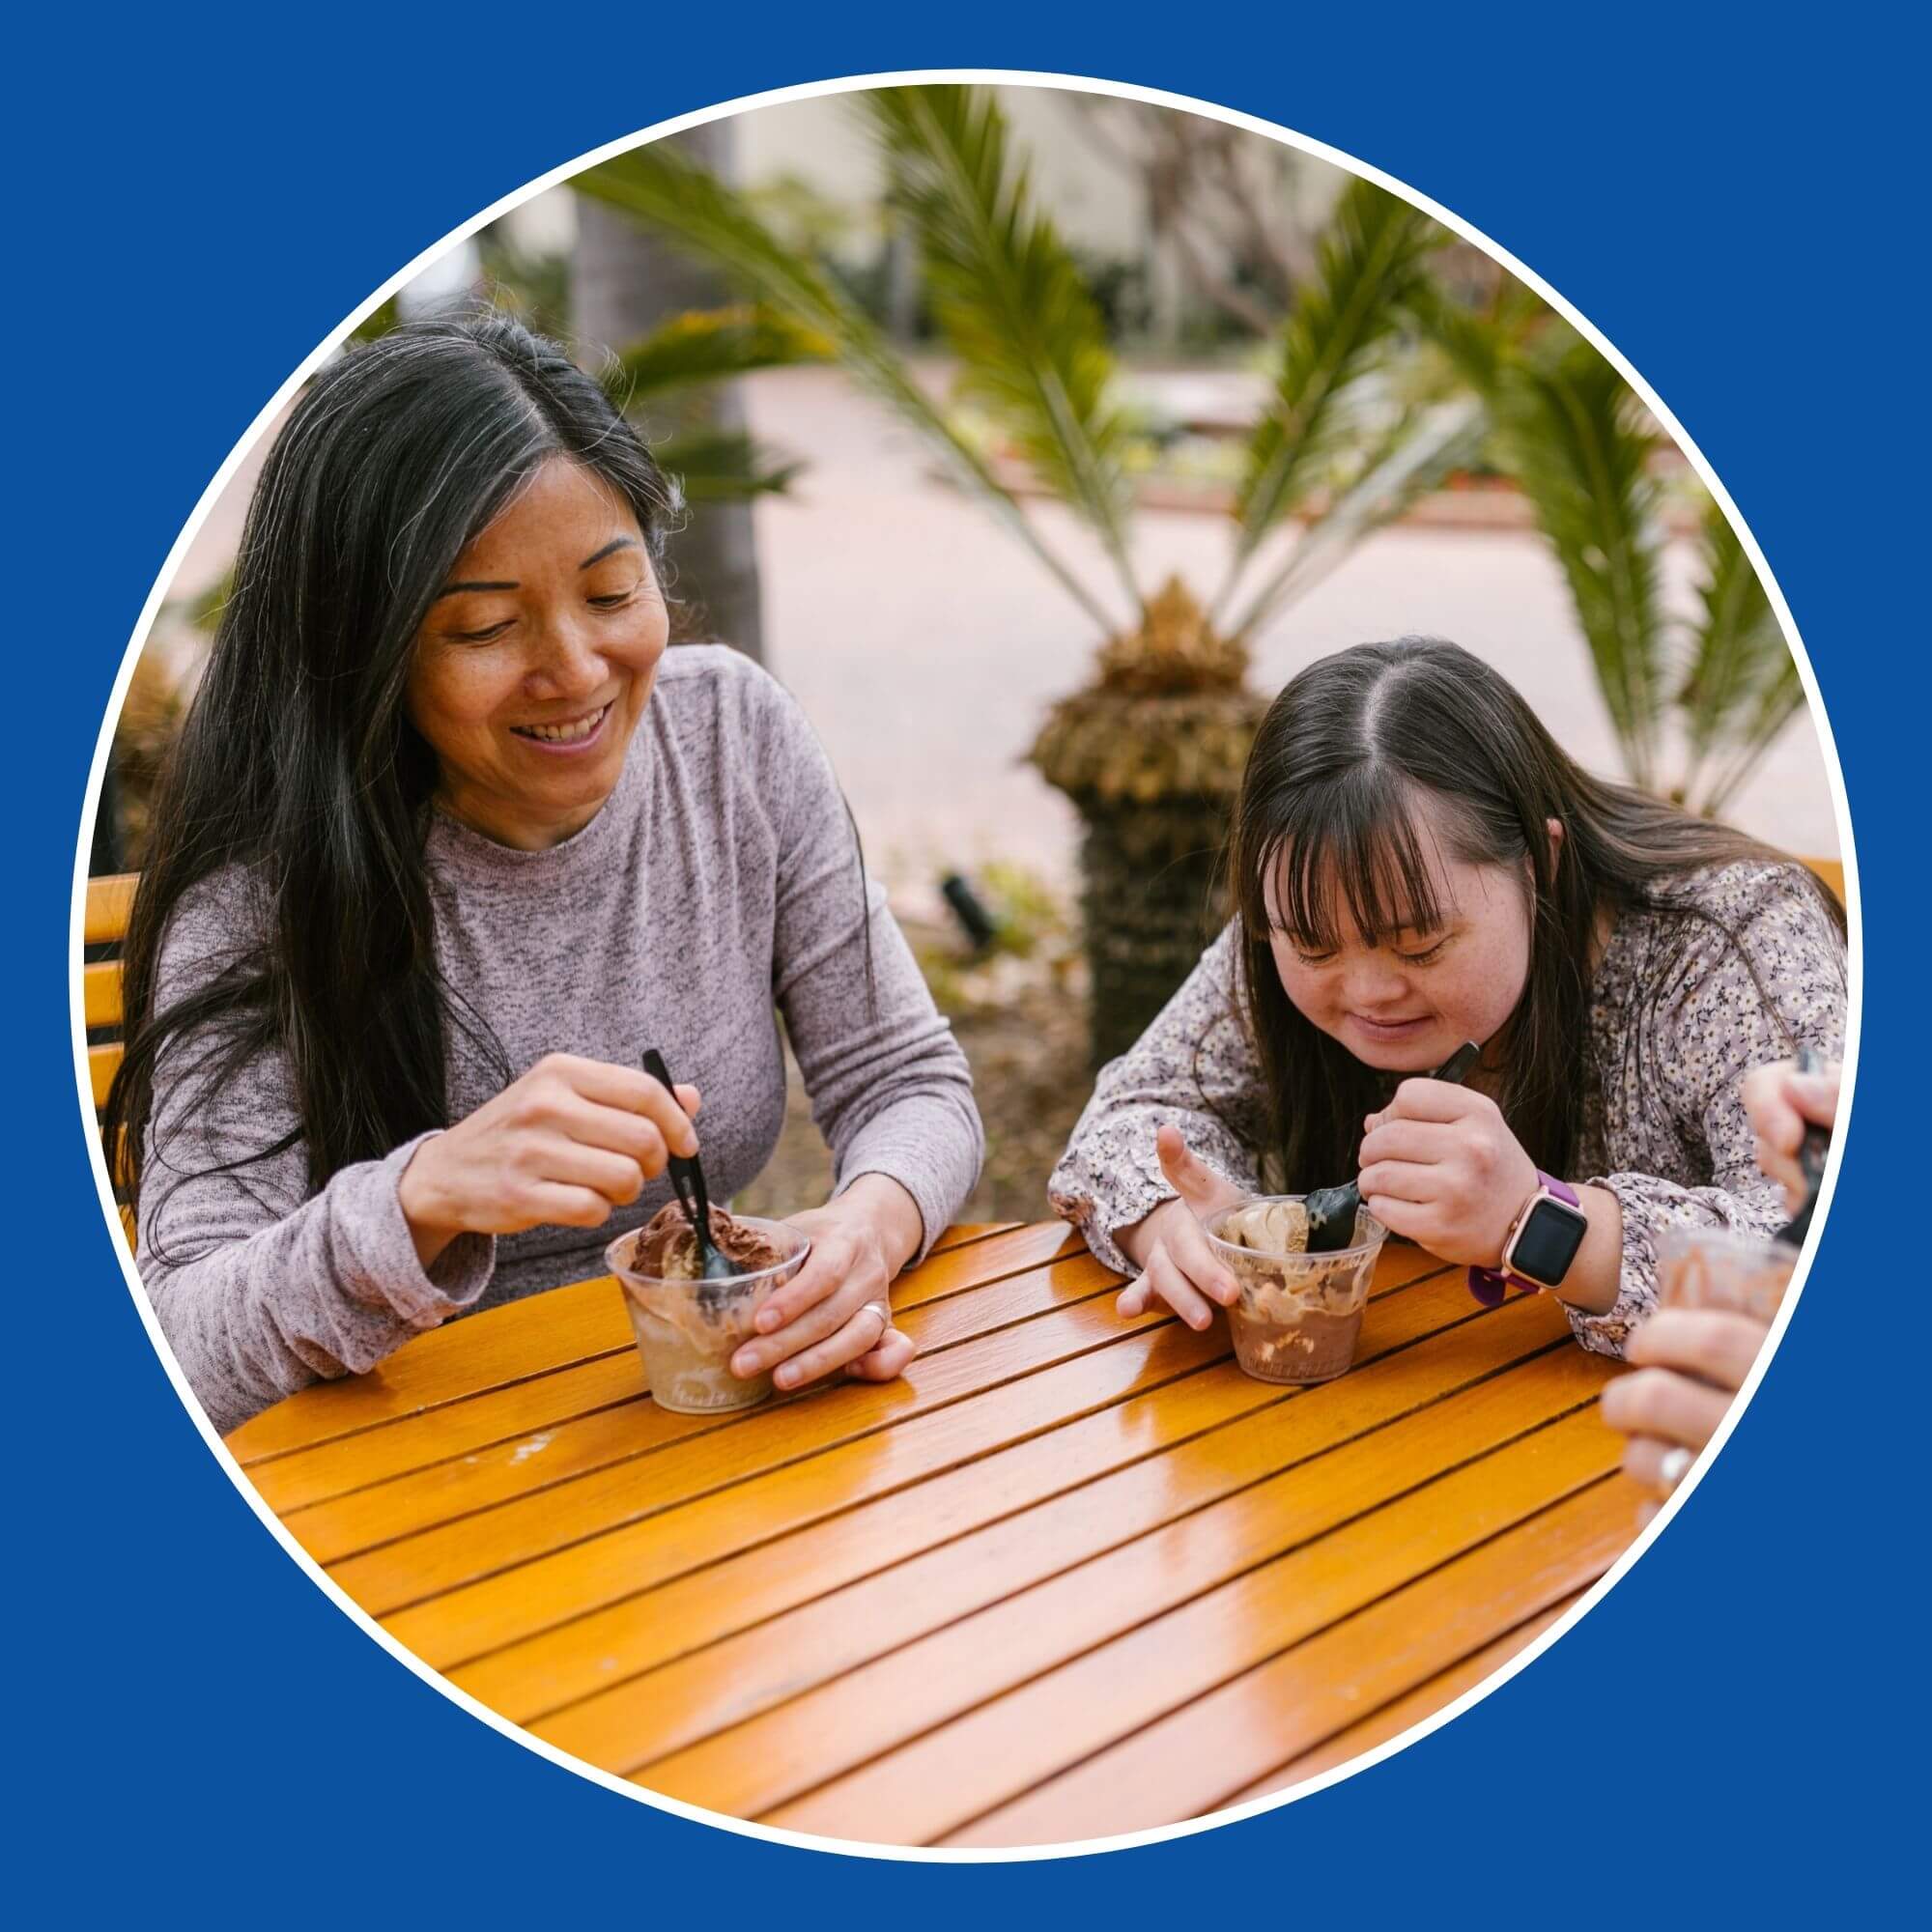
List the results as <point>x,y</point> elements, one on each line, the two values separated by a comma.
<point>947,1779</point>
<point>463,1623</point>
<point>962,1233</point>
<point>1185,1767</point>
<point>533,1525</point>
<point>558,1449</point>
<point>663,1620</point>
<point>509,1344</point>
<point>1054,1580</point>
<point>1396,1716</point>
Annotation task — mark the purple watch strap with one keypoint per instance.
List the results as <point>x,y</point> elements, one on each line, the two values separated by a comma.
<point>1489,1285</point>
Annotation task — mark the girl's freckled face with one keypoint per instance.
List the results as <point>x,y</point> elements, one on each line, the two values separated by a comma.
<point>1407,1004</point>
<point>532,669</point>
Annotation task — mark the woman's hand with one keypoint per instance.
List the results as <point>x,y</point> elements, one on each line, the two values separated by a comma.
<point>836,1313</point>
<point>565,1144</point>
<point>1168,1246</point>
<point>1442,1169</point>
<point>1688,1365</point>
<point>1779,1101</point>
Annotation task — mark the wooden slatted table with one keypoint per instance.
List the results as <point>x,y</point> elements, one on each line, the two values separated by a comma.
<point>1072,1577</point>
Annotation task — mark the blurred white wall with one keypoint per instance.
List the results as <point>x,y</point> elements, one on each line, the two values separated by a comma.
<point>824,144</point>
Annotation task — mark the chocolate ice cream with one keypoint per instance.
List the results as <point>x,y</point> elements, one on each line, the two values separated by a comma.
<point>666,1248</point>
<point>688,1329</point>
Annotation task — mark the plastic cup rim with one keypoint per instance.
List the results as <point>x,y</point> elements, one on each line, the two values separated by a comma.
<point>787,1265</point>
<point>1328,1256</point>
<point>1762,1247</point>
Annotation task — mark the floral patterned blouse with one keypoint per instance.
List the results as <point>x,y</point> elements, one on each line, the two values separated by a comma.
<point>1677,1019</point>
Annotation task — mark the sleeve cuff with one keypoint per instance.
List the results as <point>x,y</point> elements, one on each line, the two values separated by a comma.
<point>383,1269</point>
<point>1130,1198</point>
<point>1609,1334</point>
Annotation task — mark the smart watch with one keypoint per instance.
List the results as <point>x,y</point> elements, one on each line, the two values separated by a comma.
<point>1541,1245</point>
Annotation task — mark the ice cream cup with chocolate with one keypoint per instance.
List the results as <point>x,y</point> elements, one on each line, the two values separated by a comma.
<point>688,1329</point>
<point>1714,1267</point>
<point>1299,1314</point>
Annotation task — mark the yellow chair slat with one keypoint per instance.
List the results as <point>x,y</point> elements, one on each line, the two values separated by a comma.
<point>101,993</point>
<point>1832,872</point>
<point>102,1062</point>
<point>109,900</point>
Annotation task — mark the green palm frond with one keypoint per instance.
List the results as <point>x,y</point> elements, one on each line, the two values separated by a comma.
<point>700,213</point>
<point>725,466</point>
<point>1742,684</point>
<point>1413,456</point>
<point>205,608</point>
<point>1579,444</point>
<point>1346,318</point>
<point>1005,294</point>
<point>378,324</point>
<point>711,346</point>
<point>1475,341</point>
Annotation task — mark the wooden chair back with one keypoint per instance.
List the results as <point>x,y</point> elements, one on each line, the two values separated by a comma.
<point>109,901</point>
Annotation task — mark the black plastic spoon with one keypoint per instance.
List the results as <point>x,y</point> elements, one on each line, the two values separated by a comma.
<point>687,1180</point>
<point>1811,1153</point>
<point>1331,1210</point>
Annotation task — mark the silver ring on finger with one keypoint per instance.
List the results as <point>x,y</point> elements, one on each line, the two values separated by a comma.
<point>883,1310</point>
<point>1674,1467</point>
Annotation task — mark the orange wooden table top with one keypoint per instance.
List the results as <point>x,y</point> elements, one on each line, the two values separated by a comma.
<point>1071,1576</point>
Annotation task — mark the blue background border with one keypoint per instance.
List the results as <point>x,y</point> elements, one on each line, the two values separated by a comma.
<point>196,206</point>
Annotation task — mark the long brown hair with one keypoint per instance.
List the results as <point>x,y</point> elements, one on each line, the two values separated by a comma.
<point>1327,811</point>
<point>298,773</point>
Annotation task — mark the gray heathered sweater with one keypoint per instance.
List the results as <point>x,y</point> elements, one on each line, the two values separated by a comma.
<point>720,878</point>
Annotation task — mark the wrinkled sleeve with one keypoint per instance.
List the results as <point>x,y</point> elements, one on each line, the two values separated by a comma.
<point>1738,1004</point>
<point>259,1288</point>
<point>1195,1066</point>
<point>889,1087</point>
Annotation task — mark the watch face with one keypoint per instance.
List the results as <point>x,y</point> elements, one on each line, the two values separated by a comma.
<point>1548,1243</point>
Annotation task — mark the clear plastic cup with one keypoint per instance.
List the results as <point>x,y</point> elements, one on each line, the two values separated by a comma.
<point>1299,1314</point>
<point>1713,1268</point>
<point>688,1330</point>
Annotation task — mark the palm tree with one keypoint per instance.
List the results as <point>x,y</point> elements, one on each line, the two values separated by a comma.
<point>1152,751</point>
<point>1708,694</point>
<point>1382,384</point>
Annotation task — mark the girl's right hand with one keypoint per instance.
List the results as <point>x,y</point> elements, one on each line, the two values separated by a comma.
<point>563,1145</point>
<point>1168,1246</point>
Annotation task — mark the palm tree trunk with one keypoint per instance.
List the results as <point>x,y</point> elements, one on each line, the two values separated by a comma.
<point>1152,899</point>
<point>624,280</point>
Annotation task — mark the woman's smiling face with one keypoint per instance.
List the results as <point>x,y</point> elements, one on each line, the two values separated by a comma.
<point>535,663</point>
<point>1405,1005</point>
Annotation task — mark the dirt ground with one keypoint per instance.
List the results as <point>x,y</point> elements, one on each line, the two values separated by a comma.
<point>1027,1044</point>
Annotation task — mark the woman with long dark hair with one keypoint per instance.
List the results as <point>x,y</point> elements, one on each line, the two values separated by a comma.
<point>1417,863</point>
<point>449,840</point>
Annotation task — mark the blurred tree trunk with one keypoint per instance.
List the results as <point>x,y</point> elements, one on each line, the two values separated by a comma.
<point>104,854</point>
<point>624,280</point>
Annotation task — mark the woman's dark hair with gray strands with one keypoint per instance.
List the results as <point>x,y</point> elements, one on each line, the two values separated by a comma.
<point>1326,812</point>
<point>297,762</point>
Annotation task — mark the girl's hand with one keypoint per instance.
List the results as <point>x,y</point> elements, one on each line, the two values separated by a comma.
<point>1688,1364</point>
<point>836,1313</point>
<point>565,1144</point>
<point>1440,1168</point>
<point>1779,1101</point>
<point>1176,1264</point>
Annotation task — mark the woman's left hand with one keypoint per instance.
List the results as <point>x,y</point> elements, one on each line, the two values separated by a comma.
<point>1688,1364</point>
<point>1440,1168</point>
<point>836,1313</point>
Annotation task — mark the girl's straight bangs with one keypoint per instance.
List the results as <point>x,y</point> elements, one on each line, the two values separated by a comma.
<point>1347,847</point>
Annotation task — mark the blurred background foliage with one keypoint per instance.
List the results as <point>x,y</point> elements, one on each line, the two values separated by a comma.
<point>1090,314</point>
